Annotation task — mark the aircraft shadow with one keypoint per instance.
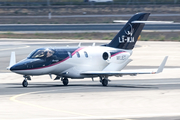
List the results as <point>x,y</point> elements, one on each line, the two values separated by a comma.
<point>16,85</point>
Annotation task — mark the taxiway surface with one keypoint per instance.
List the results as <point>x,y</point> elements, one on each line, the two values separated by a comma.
<point>71,28</point>
<point>142,97</point>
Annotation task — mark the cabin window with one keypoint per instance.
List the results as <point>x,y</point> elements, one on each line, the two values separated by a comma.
<point>85,53</point>
<point>70,56</point>
<point>78,55</point>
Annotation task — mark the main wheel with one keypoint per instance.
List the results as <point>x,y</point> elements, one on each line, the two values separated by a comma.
<point>104,82</point>
<point>25,83</point>
<point>65,81</point>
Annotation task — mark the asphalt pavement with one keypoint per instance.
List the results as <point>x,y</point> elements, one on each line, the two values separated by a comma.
<point>141,97</point>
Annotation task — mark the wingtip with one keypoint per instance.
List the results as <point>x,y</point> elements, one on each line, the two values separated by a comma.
<point>12,60</point>
<point>161,67</point>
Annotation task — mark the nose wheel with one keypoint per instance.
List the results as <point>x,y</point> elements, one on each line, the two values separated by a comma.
<point>25,83</point>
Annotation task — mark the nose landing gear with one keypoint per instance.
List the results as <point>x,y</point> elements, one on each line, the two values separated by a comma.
<point>25,82</point>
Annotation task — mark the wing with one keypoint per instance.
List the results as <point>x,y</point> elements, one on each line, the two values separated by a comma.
<point>126,72</point>
<point>12,60</point>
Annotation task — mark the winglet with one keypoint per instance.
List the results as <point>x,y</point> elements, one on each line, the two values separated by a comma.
<point>12,60</point>
<point>161,67</point>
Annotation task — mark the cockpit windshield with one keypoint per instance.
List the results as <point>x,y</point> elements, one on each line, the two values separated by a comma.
<point>41,54</point>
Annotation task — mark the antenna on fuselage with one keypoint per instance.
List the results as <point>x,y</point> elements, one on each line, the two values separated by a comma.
<point>79,45</point>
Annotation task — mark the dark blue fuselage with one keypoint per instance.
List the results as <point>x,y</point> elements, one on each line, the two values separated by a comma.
<point>40,60</point>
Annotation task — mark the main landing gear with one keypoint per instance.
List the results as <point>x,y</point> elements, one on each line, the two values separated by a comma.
<point>65,81</point>
<point>104,81</point>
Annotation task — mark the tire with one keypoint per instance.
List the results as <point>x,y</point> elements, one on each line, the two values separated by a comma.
<point>24,83</point>
<point>65,81</point>
<point>104,82</point>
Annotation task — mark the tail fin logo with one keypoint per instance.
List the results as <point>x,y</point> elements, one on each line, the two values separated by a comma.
<point>129,30</point>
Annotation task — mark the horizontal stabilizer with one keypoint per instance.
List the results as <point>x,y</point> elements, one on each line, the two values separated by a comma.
<point>153,22</point>
<point>145,22</point>
<point>120,21</point>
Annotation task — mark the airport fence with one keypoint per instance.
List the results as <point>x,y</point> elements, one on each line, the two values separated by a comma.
<point>82,2</point>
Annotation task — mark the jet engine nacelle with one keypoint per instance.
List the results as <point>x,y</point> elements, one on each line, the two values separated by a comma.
<point>106,56</point>
<point>117,58</point>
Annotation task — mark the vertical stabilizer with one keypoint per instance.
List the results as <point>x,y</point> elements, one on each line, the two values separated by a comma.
<point>128,35</point>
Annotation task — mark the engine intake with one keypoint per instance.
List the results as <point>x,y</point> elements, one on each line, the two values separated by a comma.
<point>106,56</point>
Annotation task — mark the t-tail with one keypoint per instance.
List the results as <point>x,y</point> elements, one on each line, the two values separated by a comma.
<point>128,35</point>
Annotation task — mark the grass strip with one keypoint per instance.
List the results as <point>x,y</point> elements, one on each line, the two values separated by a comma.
<point>145,36</point>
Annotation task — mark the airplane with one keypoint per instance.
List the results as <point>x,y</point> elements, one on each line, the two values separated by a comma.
<point>86,62</point>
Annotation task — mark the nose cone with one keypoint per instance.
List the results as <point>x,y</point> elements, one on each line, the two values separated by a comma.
<point>18,66</point>
<point>27,66</point>
<point>15,67</point>
<point>22,65</point>
<point>12,68</point>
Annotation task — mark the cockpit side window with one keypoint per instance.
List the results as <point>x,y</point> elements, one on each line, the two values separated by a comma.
<point>38,54</point>
<point>49,53</point>
<point>41,54</point>
<point>32,53</point>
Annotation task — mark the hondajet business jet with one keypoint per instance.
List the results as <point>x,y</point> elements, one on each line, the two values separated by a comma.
<point>86,62</point>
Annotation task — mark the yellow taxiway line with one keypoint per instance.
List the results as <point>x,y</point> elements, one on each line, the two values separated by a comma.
<point>14,99</point>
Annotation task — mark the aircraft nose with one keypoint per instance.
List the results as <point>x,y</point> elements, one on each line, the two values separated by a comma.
<point>27,64</point>
<point>16,67</point>
<point>22,65</point>
<point>19,68</point>
<point>12,68</point>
